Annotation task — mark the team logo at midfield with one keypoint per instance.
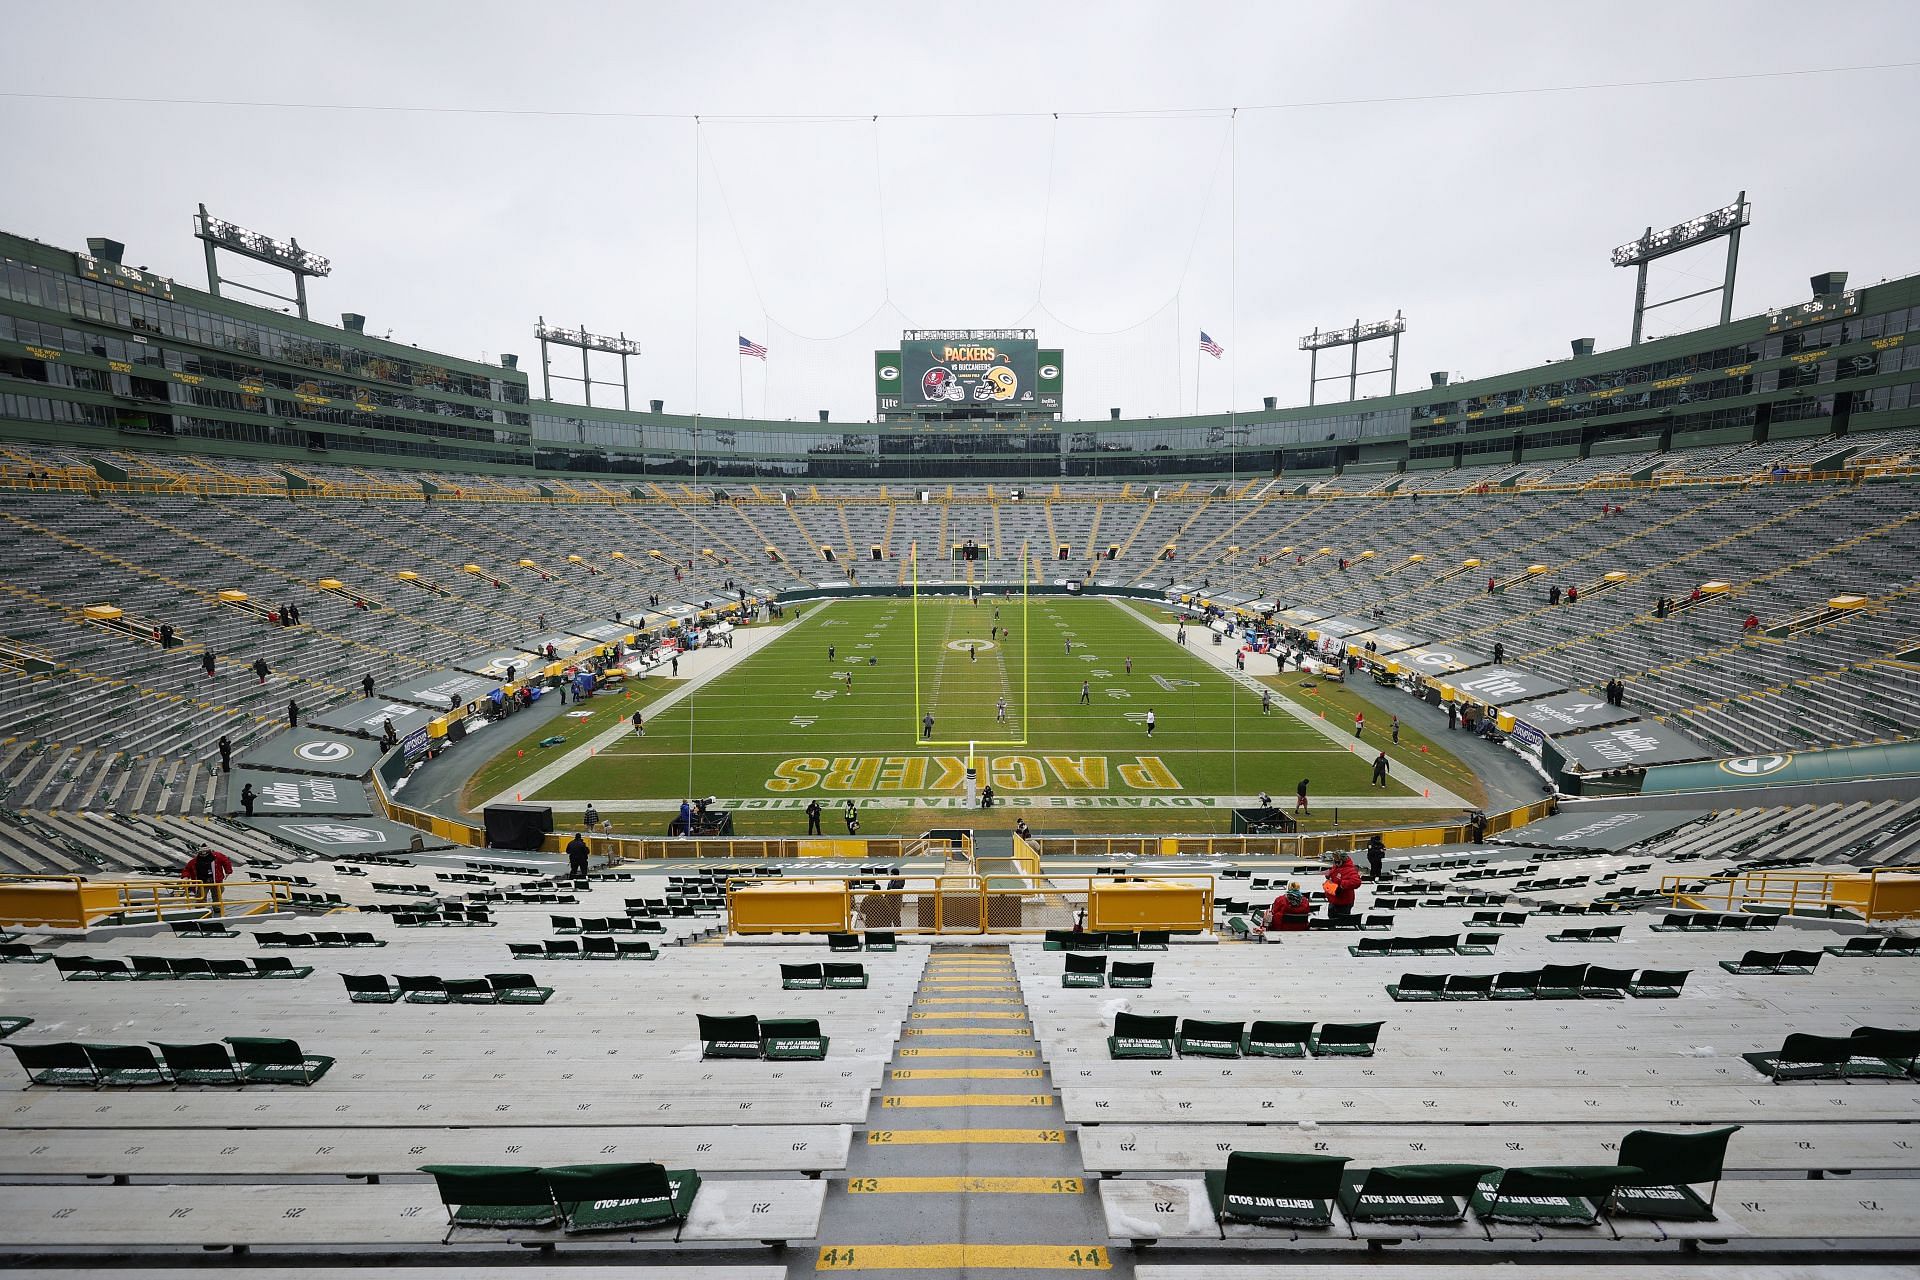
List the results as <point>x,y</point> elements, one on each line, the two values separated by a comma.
<point>1755,766</point>
<point>938,384</point>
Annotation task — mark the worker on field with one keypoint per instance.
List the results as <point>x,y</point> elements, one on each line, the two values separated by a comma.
<point>1000,710</point>
<point>926,727</point>
<point>1086,693</point>
<point>1266,702</point>
<point>813,817</point>
<point>1380,770</point>
<point>1150,722</point>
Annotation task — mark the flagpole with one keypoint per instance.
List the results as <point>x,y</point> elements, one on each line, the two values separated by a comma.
<point>1199,368</point>
<point>740,379</point>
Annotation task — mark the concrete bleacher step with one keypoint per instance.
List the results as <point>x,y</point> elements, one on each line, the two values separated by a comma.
<point>395,1215</point>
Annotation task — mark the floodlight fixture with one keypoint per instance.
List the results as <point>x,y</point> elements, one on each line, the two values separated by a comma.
<point>1724,222</point>
<point>586,342</point>
<point>1352,336</point>
<point>218,233</point>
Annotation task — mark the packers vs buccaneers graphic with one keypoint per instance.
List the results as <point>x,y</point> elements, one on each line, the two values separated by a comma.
<point>988,367</point>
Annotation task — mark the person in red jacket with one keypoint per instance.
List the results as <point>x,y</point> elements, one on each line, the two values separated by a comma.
<point>1291,910</point>
<point>1343,880</point>
<point>205,871</point>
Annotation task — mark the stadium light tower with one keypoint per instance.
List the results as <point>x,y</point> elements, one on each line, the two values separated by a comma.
<point>621,346</point>
<point>218,233</point>
<point>1353,336</point>
<point>1725,221</point>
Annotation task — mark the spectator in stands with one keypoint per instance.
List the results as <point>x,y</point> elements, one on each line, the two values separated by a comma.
<point>366,685</point>
<point>578,852</point>
<point>1376,856</point>
<point>293,714</point>
<point>260,669</point>
<point>1300,797</point>
<point>1291,912</point>
<point>1489,586</point>
<point>1499,653</point>
<point>1343,882</point>
<point>813,817</point>
<point>1752,624</point>
<point>206,662</point>
<point>1573,594</point>
<point>1380,771</point>
<point>206,870</point>
<point>247,798</point>
<point>1553,595</point>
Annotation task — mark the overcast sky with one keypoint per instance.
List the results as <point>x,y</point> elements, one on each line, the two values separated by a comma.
<point>477,164</point>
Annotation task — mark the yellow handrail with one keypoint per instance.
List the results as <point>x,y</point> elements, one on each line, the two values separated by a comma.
<point>1871,893</point>
<point>77,902</point>
<point>970,904</point>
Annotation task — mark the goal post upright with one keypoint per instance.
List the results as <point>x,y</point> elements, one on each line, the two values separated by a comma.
<point>913,561</point>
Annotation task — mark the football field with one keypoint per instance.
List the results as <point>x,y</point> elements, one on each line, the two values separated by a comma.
<point>1053,695</point>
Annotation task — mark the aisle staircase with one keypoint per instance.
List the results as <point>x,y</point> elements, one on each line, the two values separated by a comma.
<point>967,1164</point>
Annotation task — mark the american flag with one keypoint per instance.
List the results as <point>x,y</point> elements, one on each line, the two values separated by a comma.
<point>753,349</point>
<point>1207,345</point>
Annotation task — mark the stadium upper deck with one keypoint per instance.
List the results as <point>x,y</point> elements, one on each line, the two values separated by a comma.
<point>96,355</point>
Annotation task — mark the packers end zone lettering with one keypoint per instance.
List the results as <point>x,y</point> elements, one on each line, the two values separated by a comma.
<point>868,774</point>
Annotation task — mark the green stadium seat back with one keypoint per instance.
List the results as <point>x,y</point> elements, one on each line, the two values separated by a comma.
<point>1276,1189</point>
<point>1206,1038</point>
<point>126,1064</point>
<point>209,1063</point>
<point>1419,1194</point>
<point>1142,1036</point>
<point>1345,1039</point>
<point>1670,1165</point>
<point>622,1197</point>
<point>62,1063</point>
<point>508,1196</point>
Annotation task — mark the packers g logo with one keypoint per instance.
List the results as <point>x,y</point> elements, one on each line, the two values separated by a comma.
<point>889,373</point>
<point>1049,371</point>
<point>1756,766</point>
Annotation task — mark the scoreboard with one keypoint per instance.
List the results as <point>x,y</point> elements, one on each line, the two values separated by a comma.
<point>967,373</point>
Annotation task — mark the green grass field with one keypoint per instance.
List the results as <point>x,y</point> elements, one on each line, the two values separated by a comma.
<point>831,709</point>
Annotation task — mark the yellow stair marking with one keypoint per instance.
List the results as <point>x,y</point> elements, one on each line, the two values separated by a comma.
<point>949,985</point>
<point>970,1000</point>
<point>979,1013</point>
<point>966,1073</point>
<point>963,1031</point>
<point>969,1053</point>
<point>991,1186</point>
<point>960,1137</point>
<point>911,1101</point>
<point>962,1257</point>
